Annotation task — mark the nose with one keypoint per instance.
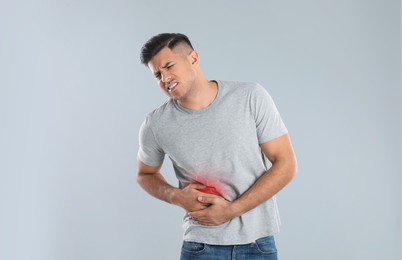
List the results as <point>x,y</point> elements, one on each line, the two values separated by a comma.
<point>165,77</point>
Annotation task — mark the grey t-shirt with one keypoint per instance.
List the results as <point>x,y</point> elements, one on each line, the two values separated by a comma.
<point>218,146</point>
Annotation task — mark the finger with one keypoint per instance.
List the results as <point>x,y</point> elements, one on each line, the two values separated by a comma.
<point>194,218</point>
<point>198,215</point>
<point>197,186</point>
<point>205,222</point>
<point>193,215</point>
<point>208,199</point>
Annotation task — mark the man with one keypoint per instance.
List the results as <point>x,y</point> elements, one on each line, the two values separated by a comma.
<point>218,135</point>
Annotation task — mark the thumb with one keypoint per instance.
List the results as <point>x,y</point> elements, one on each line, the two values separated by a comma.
<point>206,199</point>
<point>197,186</point>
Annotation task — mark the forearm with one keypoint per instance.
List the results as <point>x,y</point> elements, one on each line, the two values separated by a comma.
<point>157,186</point>
<point>270,183</point>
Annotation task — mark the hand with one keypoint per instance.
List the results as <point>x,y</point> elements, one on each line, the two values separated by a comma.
<point>187,198</point>
<point>219,211</point>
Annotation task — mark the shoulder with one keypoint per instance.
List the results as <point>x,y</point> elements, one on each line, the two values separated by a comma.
<point>242,88</point>
<point>157,114</point>
<point>240,85</point>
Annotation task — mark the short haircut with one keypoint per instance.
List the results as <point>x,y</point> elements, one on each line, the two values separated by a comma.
<point>160,41</point>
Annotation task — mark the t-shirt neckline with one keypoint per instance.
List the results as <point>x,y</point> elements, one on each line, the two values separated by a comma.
<point>213,103</point>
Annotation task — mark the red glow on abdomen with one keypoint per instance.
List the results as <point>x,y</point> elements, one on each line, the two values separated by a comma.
<point>212,187</point>
<point>210,190</point>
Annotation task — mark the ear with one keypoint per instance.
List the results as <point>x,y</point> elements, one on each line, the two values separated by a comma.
<point>193,56</point>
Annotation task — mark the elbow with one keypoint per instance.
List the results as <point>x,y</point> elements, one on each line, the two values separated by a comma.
<point>138,177</point>
<point>290,168</point>
<point>139,170</point>
<point>293,169</point>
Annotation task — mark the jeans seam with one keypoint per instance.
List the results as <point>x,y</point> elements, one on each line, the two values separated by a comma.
<point>194,252</point>
<point>265,252</point>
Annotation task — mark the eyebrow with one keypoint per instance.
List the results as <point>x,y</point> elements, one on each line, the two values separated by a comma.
<point>156,74</point>
<point>167,64</point>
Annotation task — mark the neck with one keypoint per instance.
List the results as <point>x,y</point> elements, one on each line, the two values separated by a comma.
<point>203,94</point>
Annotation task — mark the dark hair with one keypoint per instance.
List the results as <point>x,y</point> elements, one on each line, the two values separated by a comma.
<point>160,41</point>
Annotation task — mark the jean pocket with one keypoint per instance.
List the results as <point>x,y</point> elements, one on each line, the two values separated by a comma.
<point>192,247</point>
<point>266,245</point>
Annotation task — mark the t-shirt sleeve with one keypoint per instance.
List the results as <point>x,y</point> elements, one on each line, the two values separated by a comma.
<point>268,121</point>
<point>149,151</point>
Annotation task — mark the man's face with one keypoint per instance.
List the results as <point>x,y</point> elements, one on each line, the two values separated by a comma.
<point>175,71</point>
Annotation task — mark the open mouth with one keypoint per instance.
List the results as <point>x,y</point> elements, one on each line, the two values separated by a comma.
<point>172,87</point>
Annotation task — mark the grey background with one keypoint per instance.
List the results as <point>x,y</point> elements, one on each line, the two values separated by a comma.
<point>73,95</point>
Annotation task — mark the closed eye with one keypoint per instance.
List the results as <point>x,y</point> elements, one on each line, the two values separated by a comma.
<point>168,65</point>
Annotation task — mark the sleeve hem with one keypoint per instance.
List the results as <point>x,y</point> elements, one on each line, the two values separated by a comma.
<point>271,137</point>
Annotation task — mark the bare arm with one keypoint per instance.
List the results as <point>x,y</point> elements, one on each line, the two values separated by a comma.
<point>284,166</point>
<point>152,181</point>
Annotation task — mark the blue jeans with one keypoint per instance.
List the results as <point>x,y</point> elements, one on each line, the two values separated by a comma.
<point>263,248</point>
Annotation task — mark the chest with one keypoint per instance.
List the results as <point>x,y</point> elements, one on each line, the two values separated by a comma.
<point>204,138</point>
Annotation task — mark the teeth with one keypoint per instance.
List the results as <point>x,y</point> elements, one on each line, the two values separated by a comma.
<point>172,86</point>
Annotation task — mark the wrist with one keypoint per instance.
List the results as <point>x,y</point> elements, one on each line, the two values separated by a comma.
<point>235,209</point>
<point>174,196</point>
